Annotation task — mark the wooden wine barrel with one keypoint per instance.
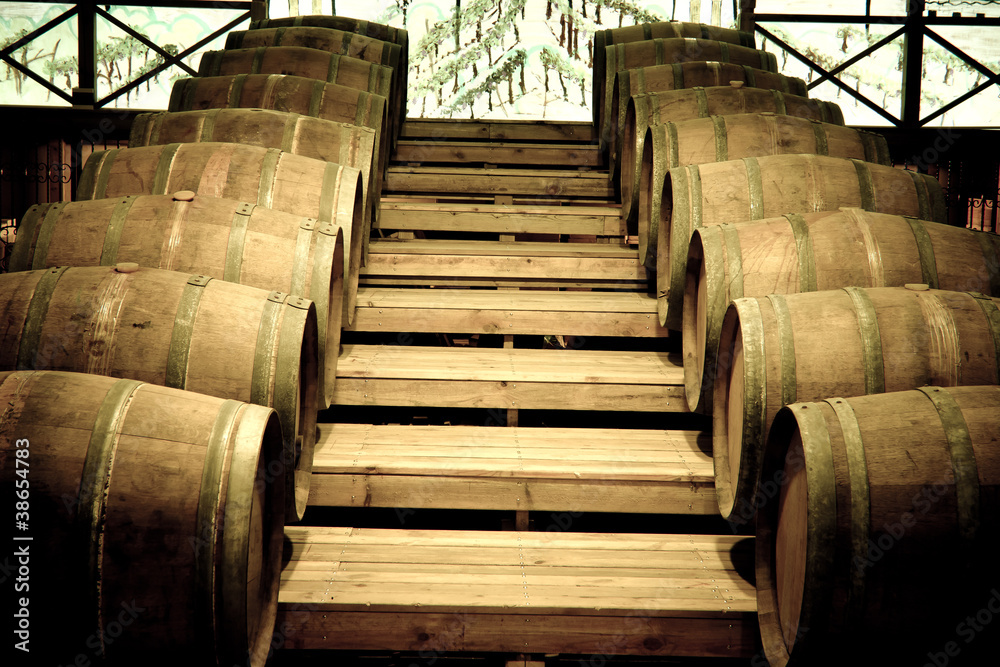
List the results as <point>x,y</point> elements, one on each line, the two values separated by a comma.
<point>343,143</point>
<point>722,138</point>
<point>812,252</point>
<point>162,532</point>
<point>176,330</point>
<point>380,31</point>
<point>882,530</point>
<point>295,94</point>
<point>220,238</point>
<point>658,30</point>
<point>779,349</point>
<point>665,51</point>
<point>756,188</point>
<point>268,177</point>
<point>309,63</point>
<point>342,43</point>
<point>677,76</point>
<point>300,61</point>
<point>673,106</point>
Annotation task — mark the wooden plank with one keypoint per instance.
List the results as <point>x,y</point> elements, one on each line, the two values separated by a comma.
<point>512,219</point>
<point>464,180</point>
<point>530,249</point>
<point>669,595</point>
<point>539,469</point>
<point>499,130</point>
<point>462,152</point>
<point>509,365</point>
<point>627,314</point>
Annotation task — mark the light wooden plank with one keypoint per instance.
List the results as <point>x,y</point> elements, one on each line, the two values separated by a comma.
<point>499,130</point>
<point>459,152</point>
<point>530,249</point>
<point>497,493</point>
<point>441,180</point>
<point>586,367</point>
<point>625,314</point>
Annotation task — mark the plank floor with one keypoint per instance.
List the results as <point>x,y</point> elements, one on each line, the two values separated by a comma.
<point>499,468</point>
<point>501,218</point>
<point>500,130</point>
<point>510,378</point>
<point>529,312</point>
<point>460,180</point>
<point>532,592</point>
<point>446,262</point>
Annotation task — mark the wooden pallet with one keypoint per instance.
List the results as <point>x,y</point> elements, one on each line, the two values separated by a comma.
<point>469,180</point>
<point>519,312</point>
<point>575,593</point>
<point>563,156</point>
<point>462,377</point>
<point>453,263</point>
<point>501,219</point>
<point>497,468</point>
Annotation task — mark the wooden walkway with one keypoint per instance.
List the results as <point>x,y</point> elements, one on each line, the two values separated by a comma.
<point>522,592</point>
<point>498,468</point>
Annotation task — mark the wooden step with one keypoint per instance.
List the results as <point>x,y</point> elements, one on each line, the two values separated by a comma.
<point>464,377</point>
<point>470,180</point>
<point>500,130</point>
<point>563,156</point>
<point>502,219</point>
<point>454,263</point>
<point>515,468</point>
<point>517,312</point>
<point>571,593</point>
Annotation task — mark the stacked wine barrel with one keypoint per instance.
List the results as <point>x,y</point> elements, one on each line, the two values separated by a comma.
<point>171,334</point>
<point>845,341</point>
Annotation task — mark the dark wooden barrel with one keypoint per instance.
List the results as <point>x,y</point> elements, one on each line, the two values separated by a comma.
<point>879,532</point>
<point>677,76</point>
<point>343,143</point>
<point>295,94</point>
<point>221,238</point>
<point>657,30</point>
<point>326,191</point>
<point>341,42</point>
<point>818,251</point>
<point>757,188</point>
<point>156,524</point>
<point>380,31</point>
<point>177,330</point>
<point>647,53</point>
<point>720,138</point>
<point>780,349</point>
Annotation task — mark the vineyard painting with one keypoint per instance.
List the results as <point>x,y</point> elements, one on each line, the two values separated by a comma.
<point>515,59</point>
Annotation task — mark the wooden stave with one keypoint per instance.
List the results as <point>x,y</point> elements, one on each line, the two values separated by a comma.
<point>608,37</point>
<point>873,187</point>
<point>806,136</point>
<point>748,331</point>
<point>115,172</point>
<point>877,250</point>
<point>857,593</point>
<point>285,92</point>
<point>103,232</point>
<point>631,55</point>
<point>279,369</point>
<point>678,76</point>
<point>114,555</point>
<point>330,141</point>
